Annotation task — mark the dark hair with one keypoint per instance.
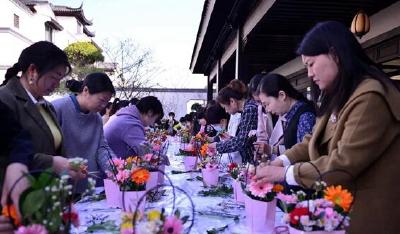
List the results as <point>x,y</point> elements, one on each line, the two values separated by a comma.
<point>150,103</point>
<point>254,82</point>
<point>103,112</point>
<point>96,82</point>
<point>134,101</point>
<point>118,104</point>
<point>171,114</point>
<point>44,55</point>
<point>182,119</point>
<point>189,117</point>
<point>272,83</point>
<point>236,89</point>
<point>354,65</point>
<point>215,113</point>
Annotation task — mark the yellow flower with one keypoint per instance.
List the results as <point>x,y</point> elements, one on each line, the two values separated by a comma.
<point>153,215</point>
<point>339,196</point>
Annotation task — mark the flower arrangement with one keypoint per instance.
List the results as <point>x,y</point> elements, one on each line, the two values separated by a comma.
<point>46,206</point>
<point>131,175</point>
<point>233,170</point>
<point>326,210</point>
<point>154,222</point>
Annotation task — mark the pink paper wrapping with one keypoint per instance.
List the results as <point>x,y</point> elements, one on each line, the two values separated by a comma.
<point>210,177</point>
<point>238,192</point>
<point>295,231</point>
<point>131,199</point>
<point>260,216</point>
<point>190,162</point>
<point>112,194</point>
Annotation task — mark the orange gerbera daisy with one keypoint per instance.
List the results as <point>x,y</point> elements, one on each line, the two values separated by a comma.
<point>140,176</point>
<point>11,212</point>
<point>277,188</point>
<point>339,196</point>
<point>203,150</point>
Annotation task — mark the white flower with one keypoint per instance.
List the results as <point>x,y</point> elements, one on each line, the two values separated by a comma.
<point>150,227</point>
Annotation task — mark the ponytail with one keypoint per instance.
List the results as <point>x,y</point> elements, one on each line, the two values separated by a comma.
<point>11,72</point>
<point>74,85</point>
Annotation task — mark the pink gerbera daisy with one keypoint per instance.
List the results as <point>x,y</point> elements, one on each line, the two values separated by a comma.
<point>172,225</point>
<point>260,189</point>
<point>32,229</point>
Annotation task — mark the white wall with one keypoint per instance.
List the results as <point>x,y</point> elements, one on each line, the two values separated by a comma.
<point>70,33</point>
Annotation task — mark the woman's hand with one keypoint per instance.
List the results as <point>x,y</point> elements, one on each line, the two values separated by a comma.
<point>262,148</point>
<point>212,146</point>
<point>62,165</point>
<point>270,174</point>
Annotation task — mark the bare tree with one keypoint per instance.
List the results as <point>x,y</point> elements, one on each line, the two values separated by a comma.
<point>134,68</point>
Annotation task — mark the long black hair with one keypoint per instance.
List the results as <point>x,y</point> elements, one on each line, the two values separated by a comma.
<point>96,82</point>
<point>354,65</point>
<point>44,55</point>
<point>272,83</point>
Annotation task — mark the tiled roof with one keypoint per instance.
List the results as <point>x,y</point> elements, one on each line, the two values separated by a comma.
<point>70,11</point>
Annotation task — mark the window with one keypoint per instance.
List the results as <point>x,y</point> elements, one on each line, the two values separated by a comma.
<point>48,32</point>
<point>16,21</point>
<point>78,28</point>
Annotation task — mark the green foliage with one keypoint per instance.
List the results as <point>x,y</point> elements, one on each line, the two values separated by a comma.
<point>83,53</point>
<point>221,191</point>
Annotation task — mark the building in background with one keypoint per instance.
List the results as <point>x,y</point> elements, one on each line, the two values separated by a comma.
<point>240,38</point>
<point>23,22</point>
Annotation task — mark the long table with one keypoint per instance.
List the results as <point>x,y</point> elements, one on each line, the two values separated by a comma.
<point>210,212</point>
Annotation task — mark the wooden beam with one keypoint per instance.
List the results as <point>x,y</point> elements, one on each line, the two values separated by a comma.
<point>256,15</point>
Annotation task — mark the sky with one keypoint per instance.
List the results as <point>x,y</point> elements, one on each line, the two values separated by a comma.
<point>168,28</point>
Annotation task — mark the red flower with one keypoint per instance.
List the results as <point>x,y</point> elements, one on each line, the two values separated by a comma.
<point>297,213</point>
<point>232,166</point>
<point>71,216</point>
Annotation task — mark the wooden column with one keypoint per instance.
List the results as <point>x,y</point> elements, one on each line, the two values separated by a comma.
<point>238,62</point>
<point>209,89</point>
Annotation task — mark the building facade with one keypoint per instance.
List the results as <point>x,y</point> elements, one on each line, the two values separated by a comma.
<point>240,38</point>
<point>23,22</point>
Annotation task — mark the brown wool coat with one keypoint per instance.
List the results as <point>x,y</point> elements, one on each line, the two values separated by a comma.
<point>16,98</point>
<point>364,141</point>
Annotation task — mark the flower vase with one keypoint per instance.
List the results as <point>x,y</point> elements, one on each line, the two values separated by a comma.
<point>260,216</point>
<point>161,175</point>
<point>210,176</point>
<point>113,194</point>
<point>189,162</point>
<point>238,192</point>
<point>130,200</point>
<point>293,230</point>
<point>153,180</point>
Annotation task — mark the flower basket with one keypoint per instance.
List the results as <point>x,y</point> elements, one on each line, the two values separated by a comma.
<point>190,162</point>
<point>113,194</point>
<point>210,176</point>
<point>238,192</point>
<point>130,201</point>
<point>260,216</point>
<point>296,231</point>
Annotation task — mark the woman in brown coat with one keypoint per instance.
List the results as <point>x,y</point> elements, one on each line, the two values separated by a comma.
<point>357,130</point>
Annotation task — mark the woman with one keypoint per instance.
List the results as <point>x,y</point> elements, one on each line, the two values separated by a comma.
<point>125,131</point>
<point>43,66</point>
<point>264,122</point>
<point>81,123</point>
<point>280,98</point>
<point>233,98</point>
<point>358,130</point>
